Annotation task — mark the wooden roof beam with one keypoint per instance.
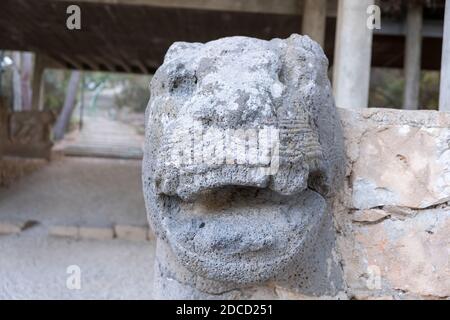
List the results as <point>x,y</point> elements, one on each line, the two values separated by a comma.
<point>70,62</point>
<point>290,7</point>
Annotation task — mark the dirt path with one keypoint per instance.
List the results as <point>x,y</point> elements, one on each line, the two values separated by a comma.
<point>102,135</point>
<point>75,191</point>
<point>34,266</point>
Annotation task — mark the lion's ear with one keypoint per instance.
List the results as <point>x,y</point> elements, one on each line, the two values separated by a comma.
<point>181,49</point>
<point>304,69</point>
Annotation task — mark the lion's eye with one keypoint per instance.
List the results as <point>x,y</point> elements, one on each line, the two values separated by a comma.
<point>183,84</point>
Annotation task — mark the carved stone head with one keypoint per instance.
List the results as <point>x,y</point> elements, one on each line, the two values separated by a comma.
<point>243,150</point>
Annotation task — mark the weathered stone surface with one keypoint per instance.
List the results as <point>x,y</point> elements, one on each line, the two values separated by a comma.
<point>408,256</point>
<point>397,158</point>
<point>28,134</point>
<point>399,212</point>
<point>133,233</point>
<point>391,245</point>
<point>8,227</point>
<point>150,234</point>
<point>373,297</point>
<point>223,226</point>
<point>64,231</point>
<point>243,153</point>
<point>283,294</point>
<point>96,233</point>
<point>369,215</point>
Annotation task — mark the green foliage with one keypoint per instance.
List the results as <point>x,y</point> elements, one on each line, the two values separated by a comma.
<point>387,85</point>
<point>55,82</point>
<point>386,88</point>
<point>93,80</point>
<point>6,90</point>
<point>429,90</point>
<point>134,92</point>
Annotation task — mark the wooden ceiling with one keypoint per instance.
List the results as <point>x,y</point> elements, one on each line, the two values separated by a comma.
<point>122,37</point>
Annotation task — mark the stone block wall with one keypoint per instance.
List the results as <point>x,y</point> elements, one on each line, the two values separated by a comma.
<point>219,240</point>
<point>393,216</point>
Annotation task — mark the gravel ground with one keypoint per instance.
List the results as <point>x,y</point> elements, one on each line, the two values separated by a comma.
<point>34,266</point>
<point>81,191</point>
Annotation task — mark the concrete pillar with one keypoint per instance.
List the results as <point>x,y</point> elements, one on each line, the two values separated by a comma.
<point>314,20</point>
<point>353,54</point>
<point>413,53</point>
<point>444,91</point>
<point>38,83</point>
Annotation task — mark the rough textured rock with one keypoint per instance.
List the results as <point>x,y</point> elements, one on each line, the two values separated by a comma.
<point>10,227</point>
<point>259,225</point>
<point>243,153</point>
<point>408,256</point>
<point>415,153</point>
<point>393,215</point>
<point>64,231</point>
<point>369,215</point>
<point>133,233</point>
<point>96,233</point>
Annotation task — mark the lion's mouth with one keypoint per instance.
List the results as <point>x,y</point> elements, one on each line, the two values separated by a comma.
<point>241,221</point>
<point>188,185</point>
<point>238,217</point>
<point>241,227</point>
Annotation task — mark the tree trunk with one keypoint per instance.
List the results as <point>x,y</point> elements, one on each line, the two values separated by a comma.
<point>17,86</point>
<point>25,75</point>
<point>69,104</point>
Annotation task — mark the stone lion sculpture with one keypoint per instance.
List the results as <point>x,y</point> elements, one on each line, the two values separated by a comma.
<point>243,153</point>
